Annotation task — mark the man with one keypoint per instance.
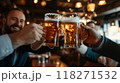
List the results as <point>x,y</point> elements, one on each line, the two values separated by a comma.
<point>102,45</point>
<point>16,37</point>
<point>93,56</point>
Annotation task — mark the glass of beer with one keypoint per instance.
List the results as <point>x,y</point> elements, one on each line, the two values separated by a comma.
<point>51,27</point>
<point>70,24</point>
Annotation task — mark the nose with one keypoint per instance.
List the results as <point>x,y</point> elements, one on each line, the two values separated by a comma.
<point>18,23</point>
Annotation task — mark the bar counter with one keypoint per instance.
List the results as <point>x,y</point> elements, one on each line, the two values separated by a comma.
<point>52,61</point>
<point>61,61</point>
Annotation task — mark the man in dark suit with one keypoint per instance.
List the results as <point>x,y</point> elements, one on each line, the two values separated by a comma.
<point>102,45</point>
<point>93,56</point>
<point>17,39</point>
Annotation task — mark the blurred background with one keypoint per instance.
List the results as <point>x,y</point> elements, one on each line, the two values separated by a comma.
<point>105,13</point>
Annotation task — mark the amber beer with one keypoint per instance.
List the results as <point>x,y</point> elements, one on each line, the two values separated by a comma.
<point>70,29</point>
<point>51,37</point>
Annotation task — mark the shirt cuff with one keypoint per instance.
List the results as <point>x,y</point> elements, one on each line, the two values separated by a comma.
<point>6,47</point>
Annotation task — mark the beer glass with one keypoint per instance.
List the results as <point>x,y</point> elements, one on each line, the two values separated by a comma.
<point>51,27</point>
<point>70,24</point>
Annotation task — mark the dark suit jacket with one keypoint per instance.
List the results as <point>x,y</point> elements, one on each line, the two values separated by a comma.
<point>22,56</point>
<point>110,49</point>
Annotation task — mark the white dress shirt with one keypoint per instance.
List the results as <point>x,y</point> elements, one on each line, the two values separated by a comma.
<point>6,47</point>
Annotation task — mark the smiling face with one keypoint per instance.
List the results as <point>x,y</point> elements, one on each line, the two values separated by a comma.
<point>15,21</point>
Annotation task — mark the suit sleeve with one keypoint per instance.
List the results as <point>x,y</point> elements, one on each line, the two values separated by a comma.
<point>91,55</point>
<point>6,47</point>
<point>110,49</point>
<point>41,50</point>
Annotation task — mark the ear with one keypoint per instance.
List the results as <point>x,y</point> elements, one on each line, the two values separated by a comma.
<point>3,21</point>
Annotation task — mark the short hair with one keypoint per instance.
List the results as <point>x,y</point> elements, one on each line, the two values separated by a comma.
<point>7,12</point>
<point>90,22</point>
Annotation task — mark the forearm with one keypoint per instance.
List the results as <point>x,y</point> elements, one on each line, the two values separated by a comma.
<point>110,49</point>
<point>15,39</point>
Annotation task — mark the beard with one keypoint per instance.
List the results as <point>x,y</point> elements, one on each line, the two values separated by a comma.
<point>12,28</point>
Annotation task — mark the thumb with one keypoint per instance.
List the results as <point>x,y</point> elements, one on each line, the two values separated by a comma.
<point>85,27</point>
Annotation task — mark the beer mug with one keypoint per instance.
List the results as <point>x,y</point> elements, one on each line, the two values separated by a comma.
<point>70,24</point>
<point>51,27</point>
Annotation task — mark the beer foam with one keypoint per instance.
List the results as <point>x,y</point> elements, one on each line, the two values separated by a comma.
<point>49,19</point>
<point>70,20</point>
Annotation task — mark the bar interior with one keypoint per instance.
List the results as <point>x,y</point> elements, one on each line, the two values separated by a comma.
<point>63,45</point>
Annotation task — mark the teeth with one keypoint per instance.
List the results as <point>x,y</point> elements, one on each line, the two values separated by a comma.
<point>16,28</point>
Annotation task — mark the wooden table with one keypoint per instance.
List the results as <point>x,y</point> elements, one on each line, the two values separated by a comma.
<point>52,61</point>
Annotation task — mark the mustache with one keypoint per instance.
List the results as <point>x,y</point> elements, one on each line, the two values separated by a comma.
<point>16,26</point>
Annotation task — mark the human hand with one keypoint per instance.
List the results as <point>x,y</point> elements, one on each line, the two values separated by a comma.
<point>93,37</point>
<point>28,35</point>
<point>31,33</point>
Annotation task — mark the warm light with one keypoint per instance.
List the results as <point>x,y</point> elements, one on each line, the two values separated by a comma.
<point>28,22</point>
<point>91,7</point>
<point>48,0</point>
<point>95,22</point>
<point>35,1</point>
<point>27,11</point>
<point>15,6</point>
<point>102,2</point>
<point>58,11</point>
<point>63,12</point>
<point>21,2</point>
<point>70,9</point>
<point>78,5</point>
<point>86,14</point>
<point>43,3</point>
<point>113,24</point>
<point>95,15</point>
<point>68,0</point>
<point>57,63</point>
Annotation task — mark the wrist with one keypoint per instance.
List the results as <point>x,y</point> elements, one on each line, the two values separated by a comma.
<point>99,41</point>
<point>15,39</point>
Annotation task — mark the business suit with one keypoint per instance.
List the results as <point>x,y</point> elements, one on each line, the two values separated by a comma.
<point>109,49</point>
<point>22,56</point>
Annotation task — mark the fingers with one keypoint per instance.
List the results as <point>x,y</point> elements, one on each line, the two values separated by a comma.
<point>36,25</point>
<point>38,36</point>
<point>41,33</point>
<point>40,30</point>
<point>84,26</point>
<point>37,31</point>
<point>84,32</point>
